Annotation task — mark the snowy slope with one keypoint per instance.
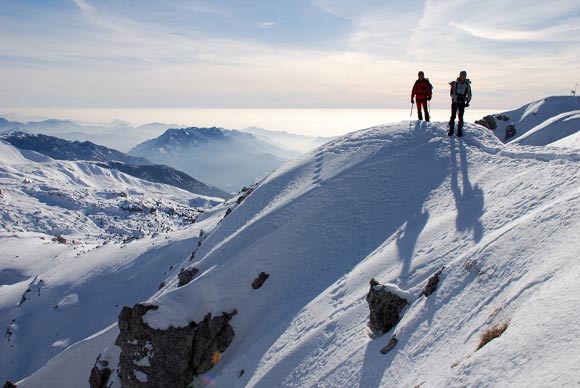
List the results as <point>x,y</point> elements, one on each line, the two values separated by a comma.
<point>542,122</point>
<point>397,203</point>
<point>114,250</point>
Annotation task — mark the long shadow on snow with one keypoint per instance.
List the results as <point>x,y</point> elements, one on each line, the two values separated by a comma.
<point>469,201</point>
<point>385,191</point>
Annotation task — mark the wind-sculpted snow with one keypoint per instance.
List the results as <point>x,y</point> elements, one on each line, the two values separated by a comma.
<point>396,203</point>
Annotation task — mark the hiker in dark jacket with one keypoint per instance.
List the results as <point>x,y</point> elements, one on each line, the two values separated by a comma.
<point>422,91</point>
<point>460,97</point>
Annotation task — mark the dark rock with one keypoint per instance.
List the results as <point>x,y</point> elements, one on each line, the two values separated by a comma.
<point>161,285</point>
<point>228,212</point>
<point>391,345</point>
<point>170,358</point>
<point>9,384</point>
<point>488,122</point>
<point>385,307</point>
<point>432,283</point>
<point>259,281</point>
<point>186,275</point>
<point>246,191</point>
<point>510,131</point>
<point>502,118</point>
<point>100,374</point>
<point>59,239</point>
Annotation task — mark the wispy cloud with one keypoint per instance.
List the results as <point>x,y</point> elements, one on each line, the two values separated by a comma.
<point>564,33</point>
<point>114,56</point>
<point>267,25</point>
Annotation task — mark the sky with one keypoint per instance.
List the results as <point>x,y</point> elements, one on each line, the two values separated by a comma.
<point>333,54</point>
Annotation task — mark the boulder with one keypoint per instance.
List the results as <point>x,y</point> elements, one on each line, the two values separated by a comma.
<point>385,307</point>
<point>100,374</point>
<point>186,275</point>
<point>170,358</point>
<point>488,122</point>
<point>259,281</point>
<point>510,131</point>
<point>432,283</point>
<point>391,345</point>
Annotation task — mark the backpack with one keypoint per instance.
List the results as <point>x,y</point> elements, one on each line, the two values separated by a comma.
<point>430,86</point>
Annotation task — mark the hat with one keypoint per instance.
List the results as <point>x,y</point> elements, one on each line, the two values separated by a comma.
<point>421,73</point>
<point>463,72</point>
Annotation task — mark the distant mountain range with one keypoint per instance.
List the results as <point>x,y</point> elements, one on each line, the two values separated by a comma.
<point>135,166</point>
<point>300,143</point>
<point>62,149</point>
<point>117,134</point>
<point>225,158</point>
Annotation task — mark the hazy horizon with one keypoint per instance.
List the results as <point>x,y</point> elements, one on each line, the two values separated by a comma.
<point>310,122</point>
<point>327,54</point>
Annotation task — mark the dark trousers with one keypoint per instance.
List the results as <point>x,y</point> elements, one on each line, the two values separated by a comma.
<point>422,103</point>
<point>457,107</point>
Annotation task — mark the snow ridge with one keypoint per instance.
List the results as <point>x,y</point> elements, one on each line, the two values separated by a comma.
<point>396,203</point>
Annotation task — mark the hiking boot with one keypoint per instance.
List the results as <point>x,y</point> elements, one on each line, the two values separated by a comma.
<point>450,132</point>
<point>459,133</point>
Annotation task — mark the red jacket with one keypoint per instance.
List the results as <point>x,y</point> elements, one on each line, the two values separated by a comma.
<point>422,89</point>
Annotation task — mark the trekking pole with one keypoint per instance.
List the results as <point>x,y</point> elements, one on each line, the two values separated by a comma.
<point>412,105</point>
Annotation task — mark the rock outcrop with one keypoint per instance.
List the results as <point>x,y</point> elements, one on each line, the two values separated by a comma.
<point>170,358</point>
<point>186,275</point>
<point>385,307</point>
<point>510,131</point>
<point>488,122</point>
<point>100,374</point>
<point>391,345</point>
<point>432,283</point>
<point>259,281</point>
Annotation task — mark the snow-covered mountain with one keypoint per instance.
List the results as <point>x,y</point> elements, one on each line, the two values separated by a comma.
<point>142,168</point>
<point>299,143</point>
<point>287,271</point>
<point>77,243</point>
<point>117,134</point>
<point>169,176</point>
<point>228,159</point>
<point>549,121</point>
<point>62,149</point>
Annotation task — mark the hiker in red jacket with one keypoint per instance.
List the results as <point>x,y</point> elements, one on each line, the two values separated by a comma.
<point>422,91</point>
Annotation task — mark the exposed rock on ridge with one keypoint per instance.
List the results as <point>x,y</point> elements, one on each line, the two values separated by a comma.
<point>152,358</point>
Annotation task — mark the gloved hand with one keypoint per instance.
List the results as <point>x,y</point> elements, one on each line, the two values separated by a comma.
<point>412,101</point>
<point>429,98</point>
<point>467,104</point>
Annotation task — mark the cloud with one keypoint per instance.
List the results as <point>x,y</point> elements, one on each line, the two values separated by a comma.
<point>110,58</point>
<point>84,6</point>
<point>563,33</point>
<point>267,25</point>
